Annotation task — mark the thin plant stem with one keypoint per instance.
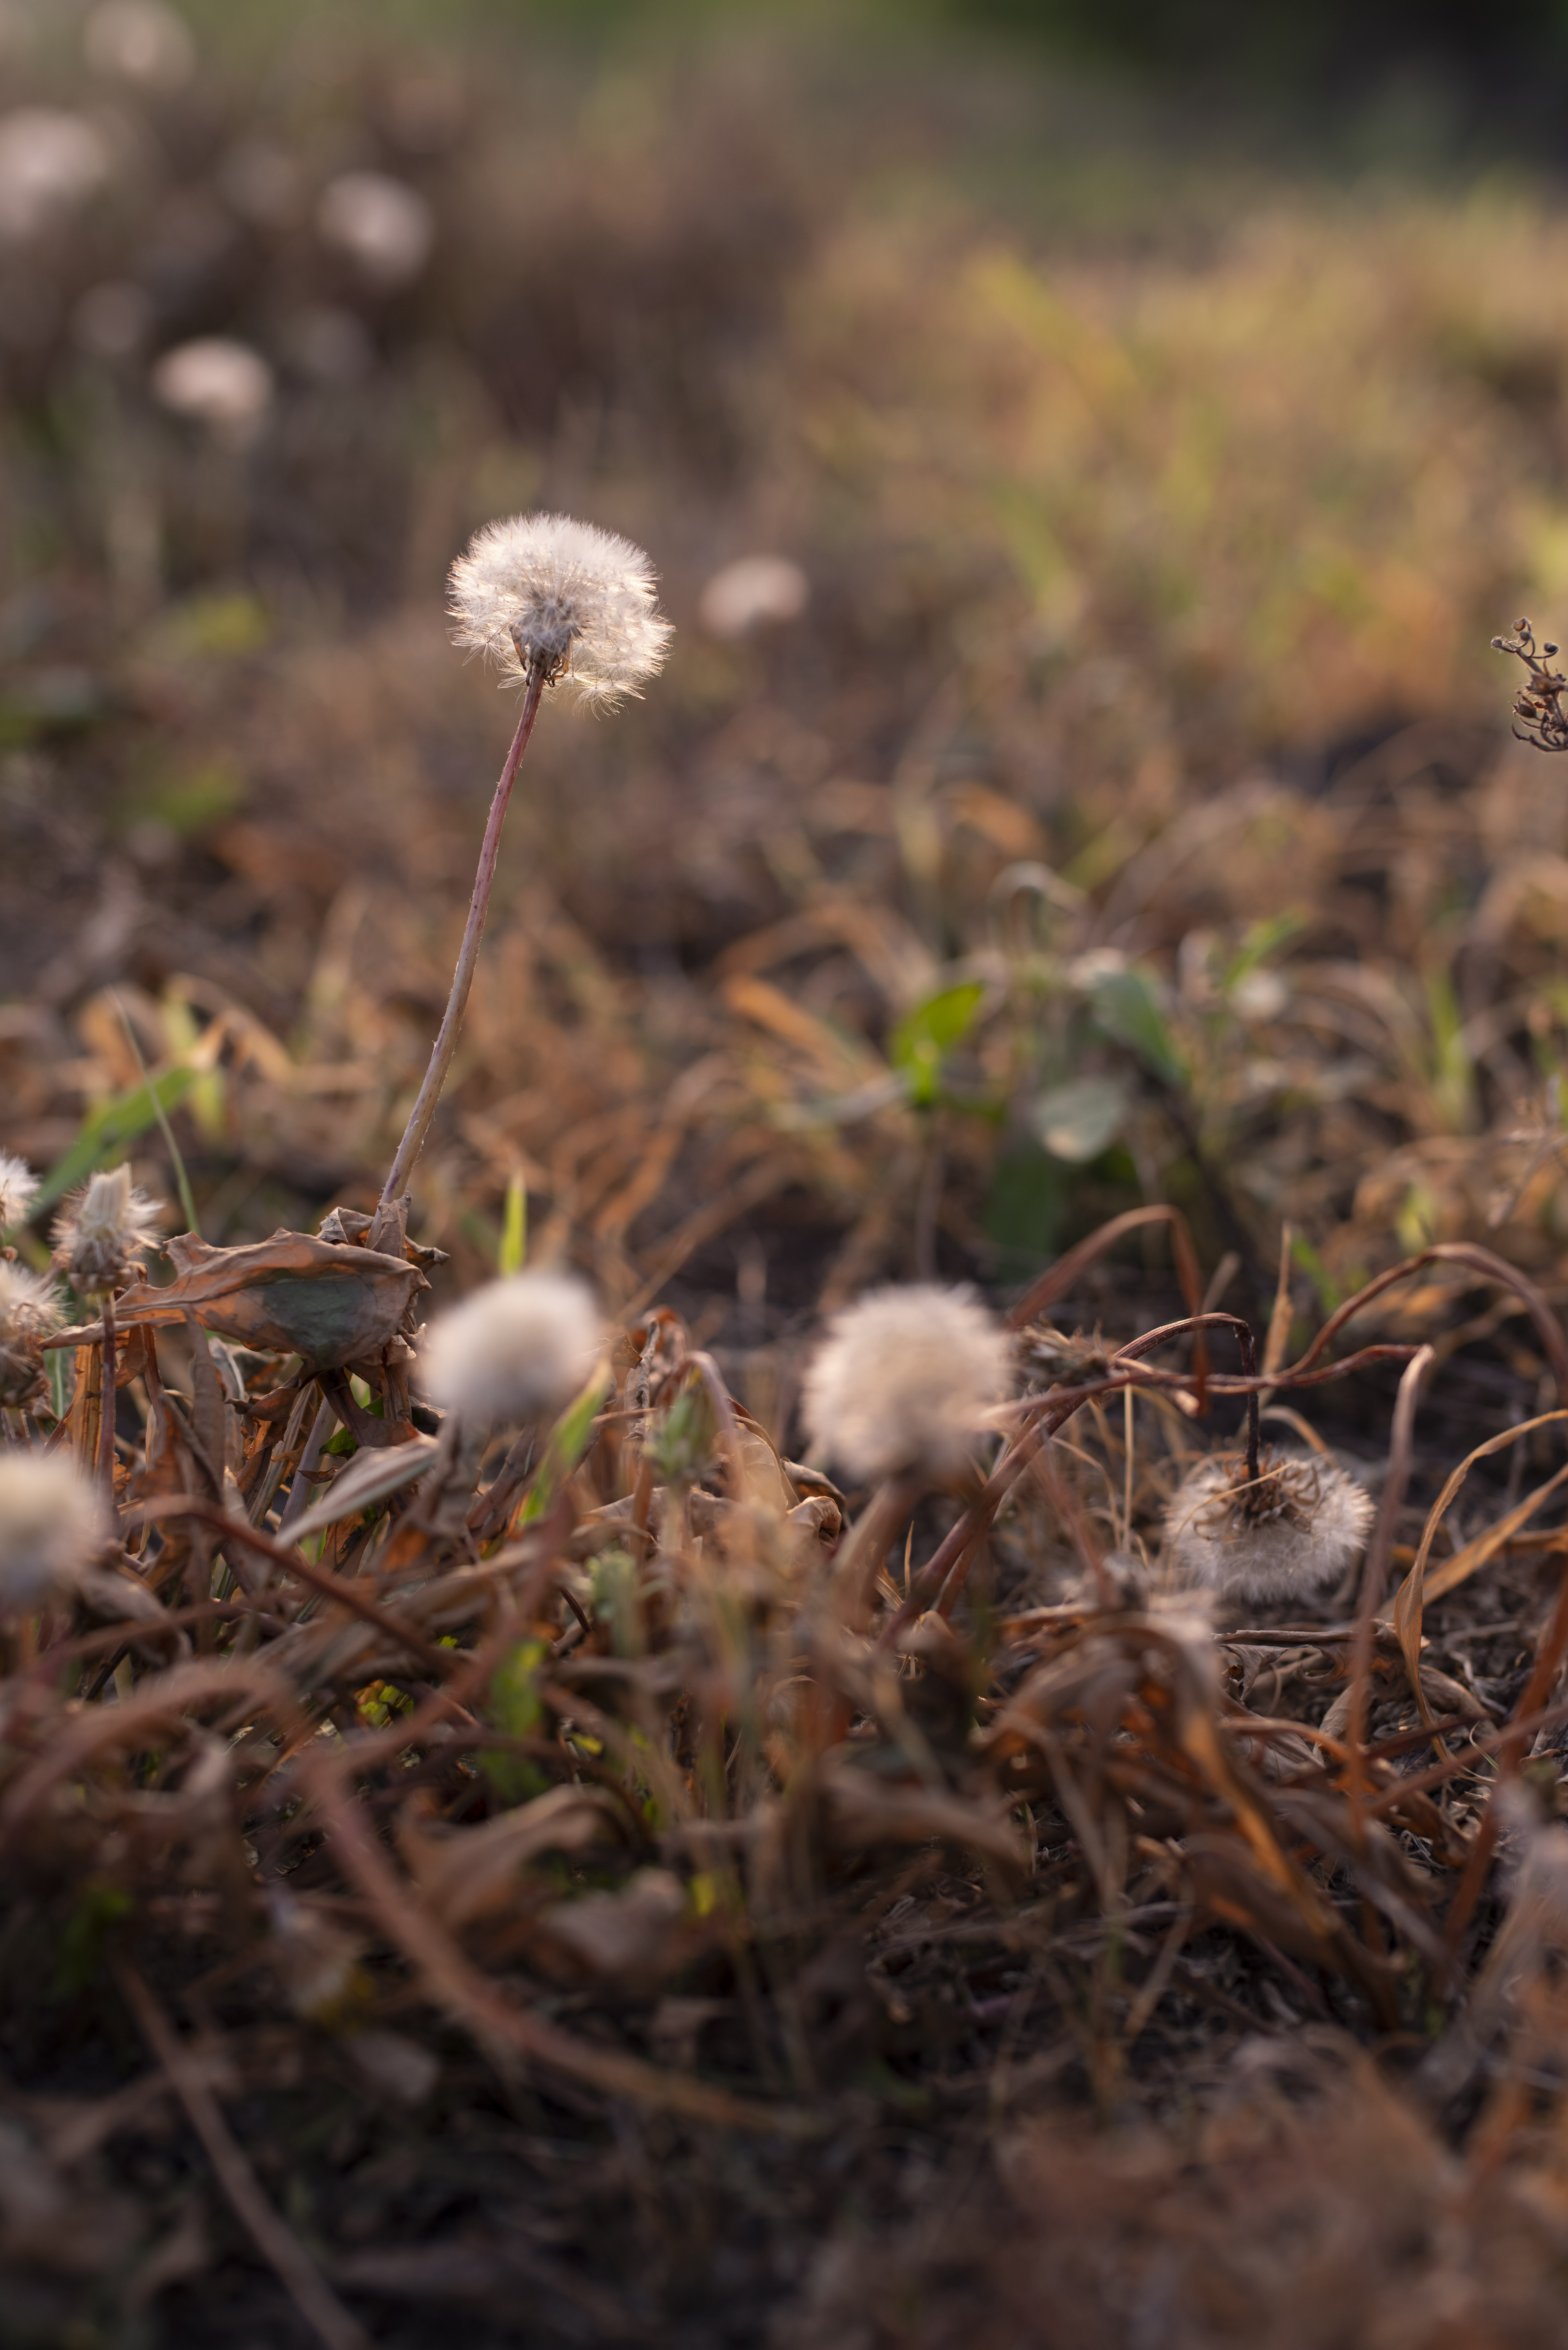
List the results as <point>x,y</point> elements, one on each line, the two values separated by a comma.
<point>182,1180</point>
<point>445,1045</point>
<point>105,1399</point>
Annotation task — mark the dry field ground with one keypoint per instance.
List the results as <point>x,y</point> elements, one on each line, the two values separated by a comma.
<point>630,1888</point>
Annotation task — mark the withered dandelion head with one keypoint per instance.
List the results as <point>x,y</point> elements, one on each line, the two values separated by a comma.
<point>51,1526</point>
<point>513,1350</point>
<point>540,595</point>
<point>1293,1531</point>
<point>28,1313</point>
<point>904,1379</point>
<point>105,1229</point>
<point>18,1190</point>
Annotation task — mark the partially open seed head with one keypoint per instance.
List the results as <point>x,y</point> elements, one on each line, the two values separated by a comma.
<point>105,1228</point>
<point>28,1313</point>
<point>18,1190</point>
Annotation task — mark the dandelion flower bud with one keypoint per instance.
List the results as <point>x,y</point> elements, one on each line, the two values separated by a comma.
<point>51,1526</point>
<point>27,1314</point>
<point>905,1379</point>
<point>106,1229</point>
<point>18,1190</point>
<point>1293,1532</point>
<point>514,1351</point>
<point>540,593</point>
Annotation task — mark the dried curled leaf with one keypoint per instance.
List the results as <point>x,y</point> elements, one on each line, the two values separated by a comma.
<point>325,1302</point>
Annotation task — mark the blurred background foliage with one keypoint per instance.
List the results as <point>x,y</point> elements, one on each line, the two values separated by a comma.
<point>1087,464</point>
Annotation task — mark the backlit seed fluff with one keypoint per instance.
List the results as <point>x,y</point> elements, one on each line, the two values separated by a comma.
<point>1294,1534</point>
<point>105,1228</point>
<point>51,1526</point>
<point>18,1190</point>
<point>27,1315</point>
<point>905,1379</point>
<point>540,592</point>
<point>514,1351</point>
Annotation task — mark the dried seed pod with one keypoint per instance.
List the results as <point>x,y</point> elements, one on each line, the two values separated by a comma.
<point>541,594</point>
<point>514,1351</point>
<point>51,1526</point>
<point>905,1379</point>
<point>105,1228</point>
<point>1295,1531</point>
<point>28,1313</point>
<point>18,1190</point>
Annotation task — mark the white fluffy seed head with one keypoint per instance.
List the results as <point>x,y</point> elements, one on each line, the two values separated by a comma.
<point>905,1379</point>
<point>28,1313</point>
<point>1294,1535</point>
<point>217,382</point>
<point>540,593</point>
<point>18,1190</point>
<point>381,224</point>
<point>514,1351</point>
<point>51,1526</point>
<point>50,163</point>
<point>105,1228</point>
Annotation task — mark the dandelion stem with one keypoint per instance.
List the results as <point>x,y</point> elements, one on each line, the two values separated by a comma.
<point>106,1401</point>
<point>445,1045</point>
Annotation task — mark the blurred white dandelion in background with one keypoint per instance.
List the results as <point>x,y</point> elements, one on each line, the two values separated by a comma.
<point>50,163</point>
<point>751,593</point>
<point>217,382</point>
<point>381,224</point>
<point>140,41</point>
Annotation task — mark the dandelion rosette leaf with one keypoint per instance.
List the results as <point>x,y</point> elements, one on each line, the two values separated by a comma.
<point>543,595</point>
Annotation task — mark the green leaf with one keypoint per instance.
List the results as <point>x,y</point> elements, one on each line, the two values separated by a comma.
<point>517,1711</point>
<point>513,1245</point>
<point>114,1123</point>
<point>568,1442</point>
<point>923,1038</point>
<point>1076,1120</point>
<point>1124,1005</point>
<point>1259,942</point>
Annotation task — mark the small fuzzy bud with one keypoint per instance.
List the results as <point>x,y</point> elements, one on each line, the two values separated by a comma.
<point>28,1313</point>
<point>905,1379</point>
<point>18,1190</point>
<point>514,1351</point>
<point>541,594</point>
<point>107,1227</point>
<point>1292,1533</point>
<point>51,1526</point>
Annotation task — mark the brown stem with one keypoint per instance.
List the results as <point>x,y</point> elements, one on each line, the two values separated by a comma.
<point>445,1045</point>
<point>106,1401</point>
<point>274,2240</point>
<point>1375,1570</point>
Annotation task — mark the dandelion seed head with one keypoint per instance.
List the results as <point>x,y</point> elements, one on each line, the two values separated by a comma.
<point>541,592</point>
<point>51,1526</point>
<point>18,1190</point>
<point>28,1313</point>
<point>104,1230</point>
<point>905,1379</point>
<point>1295,1532</point>
<point>514,1351</point>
